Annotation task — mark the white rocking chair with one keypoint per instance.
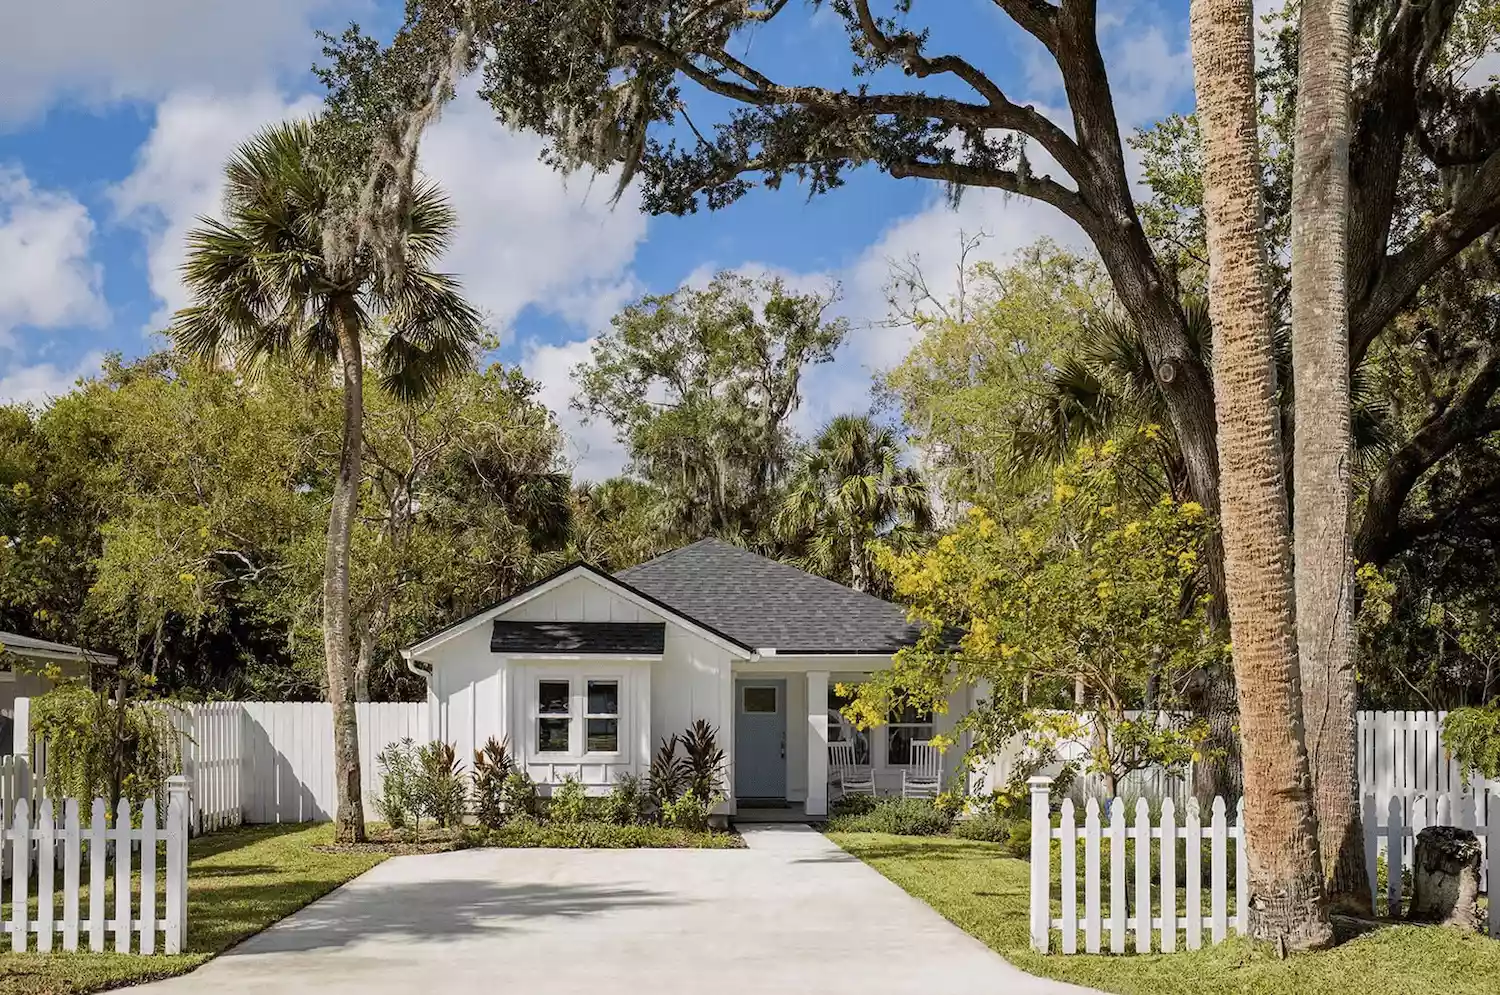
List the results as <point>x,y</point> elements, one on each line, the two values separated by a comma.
<point>845,775</point>
<point>924,778</point>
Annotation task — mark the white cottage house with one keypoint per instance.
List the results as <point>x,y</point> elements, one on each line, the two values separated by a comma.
<point>586,673</point>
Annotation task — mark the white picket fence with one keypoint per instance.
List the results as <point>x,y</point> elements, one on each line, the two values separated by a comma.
<point>262,762</point>
<point>40,847</point>
<point>1393,834</point>
<point>1143,923</point>
<point>1152,872</point>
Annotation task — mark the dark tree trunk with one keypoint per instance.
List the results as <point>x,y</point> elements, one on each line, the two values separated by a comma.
<point>350,819</point>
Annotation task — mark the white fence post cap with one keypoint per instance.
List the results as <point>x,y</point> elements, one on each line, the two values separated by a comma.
<point>1039,783</point>
<point>177,783</point>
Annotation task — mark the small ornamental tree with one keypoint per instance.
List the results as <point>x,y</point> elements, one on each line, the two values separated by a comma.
<point>1080,615</point>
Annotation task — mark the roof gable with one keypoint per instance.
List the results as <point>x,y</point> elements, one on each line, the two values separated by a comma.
<point>563,576</point>
<point>770,605</point>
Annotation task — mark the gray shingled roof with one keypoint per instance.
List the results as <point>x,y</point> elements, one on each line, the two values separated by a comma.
<point>21,645</point>
<point>578,637</point>
<point>769,605</point>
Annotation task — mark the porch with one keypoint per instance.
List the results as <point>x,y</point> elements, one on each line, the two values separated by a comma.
<point>786,722</point>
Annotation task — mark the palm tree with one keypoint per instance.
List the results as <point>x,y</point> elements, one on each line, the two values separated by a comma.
<point>265,285</point>
<point>847,490</point>
<point>1286,878</point>
<point>1324,442</point>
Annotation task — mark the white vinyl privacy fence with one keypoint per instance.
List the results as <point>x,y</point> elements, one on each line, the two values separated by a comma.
<point>263,762</point>
<point>65,867</point>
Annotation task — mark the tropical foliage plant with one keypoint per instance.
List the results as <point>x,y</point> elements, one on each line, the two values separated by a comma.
<point>1078,611</point>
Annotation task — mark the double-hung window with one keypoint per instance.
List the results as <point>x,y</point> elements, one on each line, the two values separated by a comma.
<point>578,715</point>
<point>554,715</point>
<point>906,726</point>
<point>602,730</point>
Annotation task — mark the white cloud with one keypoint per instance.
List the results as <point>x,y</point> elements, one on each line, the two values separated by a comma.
<point>526,236</point>
<point>592,447</point>
<point>178,176</point>
<point>104,51</point>
<point>41,382</point>
<point>48,279</point>
<point>933,237</point>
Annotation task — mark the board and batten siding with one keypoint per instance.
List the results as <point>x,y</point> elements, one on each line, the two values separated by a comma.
<point>475,694</point>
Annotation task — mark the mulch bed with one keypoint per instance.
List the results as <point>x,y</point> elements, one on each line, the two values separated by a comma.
<point>401,845</point>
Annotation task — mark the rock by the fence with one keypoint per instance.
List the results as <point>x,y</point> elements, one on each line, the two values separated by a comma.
<point>1445,878</point>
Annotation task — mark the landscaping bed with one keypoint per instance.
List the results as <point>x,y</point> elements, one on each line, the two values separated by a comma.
<point>527,832</point>
<point>239,882</point>
<point>984,890</point>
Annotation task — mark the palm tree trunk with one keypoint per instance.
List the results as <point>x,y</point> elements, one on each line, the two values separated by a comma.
<point>350,819</point>
<point>857,565</point>
<point>364,664</point>
<point>1286,877</point>
<point>1323,443</point>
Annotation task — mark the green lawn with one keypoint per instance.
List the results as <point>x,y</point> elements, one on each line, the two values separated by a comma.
<point>977,888</point>
<point>239,882</point>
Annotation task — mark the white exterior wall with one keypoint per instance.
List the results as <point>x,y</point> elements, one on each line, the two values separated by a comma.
<point>475,694</point>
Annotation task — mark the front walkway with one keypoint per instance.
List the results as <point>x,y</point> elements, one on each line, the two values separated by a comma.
<point>793,913</point>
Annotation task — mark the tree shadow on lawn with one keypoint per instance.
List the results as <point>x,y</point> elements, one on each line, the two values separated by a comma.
<point>438,910</point>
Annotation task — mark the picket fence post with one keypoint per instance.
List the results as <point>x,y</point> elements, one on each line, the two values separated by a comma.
<point>1069,873</point>
<point>1395,840</point>
<point>1041,862</point>
<point>1117,876</point>
<point>1142,877</point>
<point>177,833</point>
<point>1168,876</point>
<point>1091,909</point>
<point>1194,882</point>
<point>1218,872</point>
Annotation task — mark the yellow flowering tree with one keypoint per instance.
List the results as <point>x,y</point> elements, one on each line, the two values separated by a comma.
<point>1077,610</point>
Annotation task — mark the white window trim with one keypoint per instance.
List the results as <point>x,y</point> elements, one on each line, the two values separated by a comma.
<point>578,715</point>
<point>618,714</point>
<point>537,715</point>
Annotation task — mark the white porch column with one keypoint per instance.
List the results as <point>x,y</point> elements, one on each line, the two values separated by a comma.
<point>817,743</point>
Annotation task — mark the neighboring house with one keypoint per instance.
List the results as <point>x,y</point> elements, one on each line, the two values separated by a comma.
<point>587,673</point>
<point>21,660</point>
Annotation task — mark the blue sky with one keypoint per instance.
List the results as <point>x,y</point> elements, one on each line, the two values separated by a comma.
<point>116,115</point>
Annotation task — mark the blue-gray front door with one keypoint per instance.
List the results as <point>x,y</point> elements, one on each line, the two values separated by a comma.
<point>759,739</point>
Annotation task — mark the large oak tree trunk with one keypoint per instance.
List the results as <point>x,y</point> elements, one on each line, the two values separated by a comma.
<point>349,821</point>
<point>1286,877</point>
<point>1323,443</point>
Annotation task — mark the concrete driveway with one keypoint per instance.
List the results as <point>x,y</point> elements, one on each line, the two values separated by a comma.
<point>791,913</point>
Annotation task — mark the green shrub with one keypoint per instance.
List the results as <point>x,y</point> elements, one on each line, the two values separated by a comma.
<point>626,804</point>
<point>897,816</point>
<point>991,827</point>
<point>400,785</point>
<point>854,805</point>
<point>570,803</point>
<point>442,793</point>
<point>687,812</point>
<point>520,795</point>
<point>524,831</point>
<point>492,765</point>
<point>98,742</point>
